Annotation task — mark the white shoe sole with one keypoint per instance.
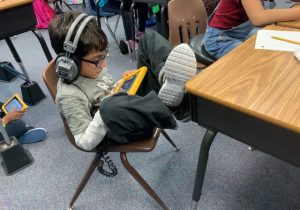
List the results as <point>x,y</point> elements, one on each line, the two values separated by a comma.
<point>180,67</point>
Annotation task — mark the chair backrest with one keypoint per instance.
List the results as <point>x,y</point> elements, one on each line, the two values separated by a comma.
<point>186,19</point>
<point>50,79</point>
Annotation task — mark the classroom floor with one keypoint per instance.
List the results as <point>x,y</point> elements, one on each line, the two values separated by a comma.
<point>236,178</point>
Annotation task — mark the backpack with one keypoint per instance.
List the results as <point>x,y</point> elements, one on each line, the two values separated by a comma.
<point>43,12</point>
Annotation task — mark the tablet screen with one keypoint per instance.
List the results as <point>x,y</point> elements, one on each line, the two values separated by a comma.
<point>127,85</point>
<point>131,82</point>
<point>13,104</point>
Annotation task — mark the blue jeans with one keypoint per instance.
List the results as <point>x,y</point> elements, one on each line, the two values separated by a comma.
<point>219,42</point>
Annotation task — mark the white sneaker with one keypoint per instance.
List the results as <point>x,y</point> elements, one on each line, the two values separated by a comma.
<point>180,67</point>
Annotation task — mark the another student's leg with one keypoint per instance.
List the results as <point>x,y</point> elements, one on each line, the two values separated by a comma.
<point>217,43</point>
<point>16,128</point>
<point>142,14</point>
<point>126,21</point>
<point>169,68</point>
<point>23,133</point>
<point>153,53</point>
<point>180,66</point>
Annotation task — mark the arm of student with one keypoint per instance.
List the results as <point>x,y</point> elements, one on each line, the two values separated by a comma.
<point>261,17</point>
<point>88,131</point>
<point>13,115</point>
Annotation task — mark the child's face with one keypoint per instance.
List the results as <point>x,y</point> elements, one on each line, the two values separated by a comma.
<point>92,64</point>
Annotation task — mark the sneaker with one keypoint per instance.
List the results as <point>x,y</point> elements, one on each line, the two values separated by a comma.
<point>181,66</point>
<point>32,136</point>
<point>29,127</point>
<point>182,112</point>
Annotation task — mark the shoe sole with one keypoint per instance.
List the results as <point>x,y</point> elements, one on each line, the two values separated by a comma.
<point>180,67</point>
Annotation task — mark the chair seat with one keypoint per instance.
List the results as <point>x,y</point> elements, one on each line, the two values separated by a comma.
<point>202,56</point>
<point>145,145</point>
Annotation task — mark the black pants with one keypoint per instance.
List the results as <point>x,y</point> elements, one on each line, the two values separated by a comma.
<point>15,128</point>
<point>153,52</point>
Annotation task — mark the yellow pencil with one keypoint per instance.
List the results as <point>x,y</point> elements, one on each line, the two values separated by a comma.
<point>285,40</point>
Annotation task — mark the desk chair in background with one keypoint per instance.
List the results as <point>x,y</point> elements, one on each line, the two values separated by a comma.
<point>109,10</point>
<point>187,24</point>
<point>59,4</point>
<point>146,145</point>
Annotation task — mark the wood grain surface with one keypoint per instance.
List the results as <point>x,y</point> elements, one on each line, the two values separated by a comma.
<point>261,83</point>
<point>7,4</point>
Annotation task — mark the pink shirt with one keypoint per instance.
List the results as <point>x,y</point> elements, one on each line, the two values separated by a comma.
<point>230,13</point>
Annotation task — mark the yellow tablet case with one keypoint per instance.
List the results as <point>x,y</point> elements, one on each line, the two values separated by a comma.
<point>134,80</point>
<point>20,103</point>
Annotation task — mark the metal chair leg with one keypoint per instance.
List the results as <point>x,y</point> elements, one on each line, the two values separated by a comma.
<point>117,23</point>
<point>110,30</point>
<point>84,181</point>
<point>141,181</point>
<point>164,133</point>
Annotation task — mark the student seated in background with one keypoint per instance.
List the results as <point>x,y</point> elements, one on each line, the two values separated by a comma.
<point>15,126</point>
<point>235,20</point>
<point>113,6</point>
<point>81,99</point>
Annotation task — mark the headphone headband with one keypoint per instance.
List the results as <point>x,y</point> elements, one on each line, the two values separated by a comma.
<point>71,46</point>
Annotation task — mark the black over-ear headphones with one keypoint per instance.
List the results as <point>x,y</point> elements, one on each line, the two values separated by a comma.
<point>67,64</point>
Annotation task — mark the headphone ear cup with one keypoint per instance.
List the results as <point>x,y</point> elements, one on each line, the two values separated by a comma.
<point>77,64</point>
<point>58,60</point>
<point>67,68</point>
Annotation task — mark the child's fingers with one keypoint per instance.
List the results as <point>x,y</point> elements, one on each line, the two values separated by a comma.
<point>128,72</point>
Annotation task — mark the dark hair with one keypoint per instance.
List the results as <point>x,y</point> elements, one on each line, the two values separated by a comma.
<point>92,37</point>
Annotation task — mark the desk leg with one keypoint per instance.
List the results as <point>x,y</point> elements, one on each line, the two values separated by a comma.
<point>39,36</point>
<point>31,91</point>
<point>17,58</point>
<point>202,161</point>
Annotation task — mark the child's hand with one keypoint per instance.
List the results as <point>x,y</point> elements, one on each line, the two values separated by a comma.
<point>128,72</point>
<point>15,114</point>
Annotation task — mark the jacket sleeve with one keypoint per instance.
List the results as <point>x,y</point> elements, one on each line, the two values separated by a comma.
<point>93,134</point>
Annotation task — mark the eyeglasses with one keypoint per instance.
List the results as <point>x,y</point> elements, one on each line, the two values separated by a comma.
<point>97,62</point>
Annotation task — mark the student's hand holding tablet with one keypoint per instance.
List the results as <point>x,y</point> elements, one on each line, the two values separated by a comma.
<point>13,115</point>
<point>131,80</point>
<point>128,72</point>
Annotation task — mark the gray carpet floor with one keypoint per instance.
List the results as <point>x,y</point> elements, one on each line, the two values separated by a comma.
<point>235,179</point>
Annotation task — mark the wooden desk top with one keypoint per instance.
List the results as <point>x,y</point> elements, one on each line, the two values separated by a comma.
<point>290,24</point>
<point>262,83</point>
<point>8,4</point>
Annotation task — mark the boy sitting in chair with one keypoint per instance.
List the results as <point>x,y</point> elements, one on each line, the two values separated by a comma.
<point>85,83</point>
